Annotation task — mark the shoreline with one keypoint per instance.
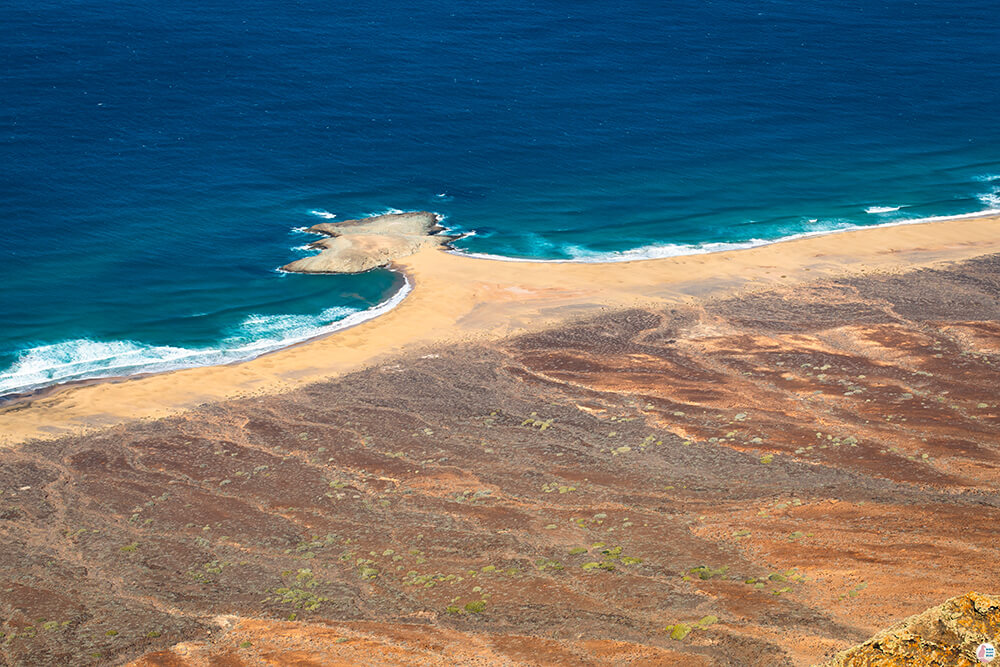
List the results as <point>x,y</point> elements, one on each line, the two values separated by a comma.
<point>445,239</point>
<point>355,319</point>
<point>633,254</point>
<point>512,297</point>
<point>787,457</point>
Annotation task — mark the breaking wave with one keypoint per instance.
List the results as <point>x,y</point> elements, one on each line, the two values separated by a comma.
<point>84,359</point>
<point>576,253</point>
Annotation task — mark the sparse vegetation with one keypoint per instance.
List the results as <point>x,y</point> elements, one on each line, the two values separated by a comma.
<point>299,592</point>
<point>707,572</point>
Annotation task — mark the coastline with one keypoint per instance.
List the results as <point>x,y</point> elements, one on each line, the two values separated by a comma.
<point>454,300</point>
<point>353,320</point>
<point>735,458</point>
<point>415,229</point>
<point>659,250</point>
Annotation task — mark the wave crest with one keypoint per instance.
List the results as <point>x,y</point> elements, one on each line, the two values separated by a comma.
<point>662,250</point>
<point>84,359</point>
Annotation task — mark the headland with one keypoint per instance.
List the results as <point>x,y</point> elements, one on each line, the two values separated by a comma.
<point>355,246</point>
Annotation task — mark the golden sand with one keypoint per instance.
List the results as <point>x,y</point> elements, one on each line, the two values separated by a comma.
<point>457,299</point>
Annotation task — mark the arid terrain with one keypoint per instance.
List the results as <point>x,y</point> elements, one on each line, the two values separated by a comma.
<point>763,479</point>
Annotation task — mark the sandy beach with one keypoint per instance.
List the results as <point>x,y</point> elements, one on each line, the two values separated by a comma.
<point>500,335</point>
<point>763,457</point>
<point>458,299</point>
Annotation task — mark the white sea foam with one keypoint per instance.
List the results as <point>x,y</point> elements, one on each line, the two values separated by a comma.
<point>322,213</point>
<point>991,199</point>
<point>884,209</point>
<point>81,359</point>
<point>386,211</point>
<point>581,255</point>
<point>662,250</point>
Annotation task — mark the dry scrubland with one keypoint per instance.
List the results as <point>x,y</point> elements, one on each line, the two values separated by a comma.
<point>765,479</point>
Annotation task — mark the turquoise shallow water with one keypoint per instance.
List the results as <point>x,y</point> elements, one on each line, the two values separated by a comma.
<point>157,161</point>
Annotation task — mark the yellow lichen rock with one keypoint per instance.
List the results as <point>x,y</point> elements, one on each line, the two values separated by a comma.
<point>946,635</point>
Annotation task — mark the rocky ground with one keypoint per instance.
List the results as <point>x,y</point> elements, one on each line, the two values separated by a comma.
<point>355,246</point>
<point>763,480</point>
<point>947,635</point>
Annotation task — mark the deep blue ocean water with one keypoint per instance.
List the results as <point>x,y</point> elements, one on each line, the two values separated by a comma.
<point>157,158</point>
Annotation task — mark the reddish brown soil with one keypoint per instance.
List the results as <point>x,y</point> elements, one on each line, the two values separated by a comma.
<point>799,469</point>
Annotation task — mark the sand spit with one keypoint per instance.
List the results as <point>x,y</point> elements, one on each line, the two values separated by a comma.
<point>457,300</point>
<point>355,246</point>
<point>756,478</point>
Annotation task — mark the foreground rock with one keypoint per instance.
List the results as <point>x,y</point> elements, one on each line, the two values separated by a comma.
<point>945,635</point>
<point>354,246</point>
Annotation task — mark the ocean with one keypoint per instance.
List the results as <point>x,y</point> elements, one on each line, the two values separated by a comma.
<point>159,161</point>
